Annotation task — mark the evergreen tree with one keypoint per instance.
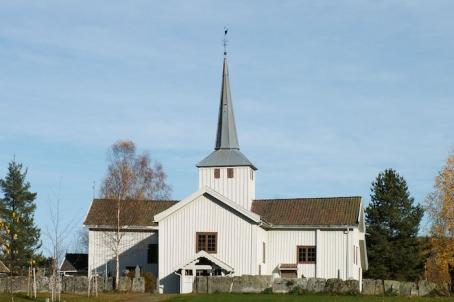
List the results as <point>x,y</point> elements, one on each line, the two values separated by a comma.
<point>17,208</point>
<point>392,219</point>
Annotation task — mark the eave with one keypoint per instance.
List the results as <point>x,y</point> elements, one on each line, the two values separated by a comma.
<point>123,228</point>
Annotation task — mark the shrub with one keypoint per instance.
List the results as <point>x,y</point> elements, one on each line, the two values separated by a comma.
<point>439,292</point>
<point>390,293</point>
<point>150,281</point>
<point>297,291</point>
<point>268,290</point>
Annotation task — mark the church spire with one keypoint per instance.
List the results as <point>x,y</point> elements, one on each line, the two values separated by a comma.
<point>226,137</point>
<point>226,149</point>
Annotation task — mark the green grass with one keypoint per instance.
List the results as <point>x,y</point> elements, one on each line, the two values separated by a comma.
<point>302,298</point>
<point>223,298</point>
<point>111,297</point>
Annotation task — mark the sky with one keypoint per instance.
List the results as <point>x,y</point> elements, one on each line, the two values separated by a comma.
<point>326,93</point>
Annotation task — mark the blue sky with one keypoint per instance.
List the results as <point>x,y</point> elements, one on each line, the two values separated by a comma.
<point>326,93</point>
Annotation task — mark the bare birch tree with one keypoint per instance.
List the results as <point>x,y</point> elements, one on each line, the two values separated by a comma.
<point>57,231</point>
<point>80,243</point>
<point>129,176</point>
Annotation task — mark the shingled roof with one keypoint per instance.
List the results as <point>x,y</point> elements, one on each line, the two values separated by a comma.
<point>103,212</point>
<point>296,211</point>
<point>309,211</point>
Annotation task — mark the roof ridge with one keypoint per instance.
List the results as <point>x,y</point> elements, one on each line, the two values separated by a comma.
<point>132,199</point>
<point>299,198</point>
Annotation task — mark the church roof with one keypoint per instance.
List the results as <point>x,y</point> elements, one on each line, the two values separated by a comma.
<point>226,137</point>
<point>103,212</point>
<point>309,211</point>
<point>227,148</point>
<point>325,211</point>
<point>209,192</point>
<point>225,158</point>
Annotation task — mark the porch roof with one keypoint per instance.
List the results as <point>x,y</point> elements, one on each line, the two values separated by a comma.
<point>202,254</point>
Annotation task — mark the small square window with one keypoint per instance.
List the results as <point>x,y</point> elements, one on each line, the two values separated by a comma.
<point>306,254</point>
<point>217,173</point>
<point>206,242</point>
<point>229,172</point>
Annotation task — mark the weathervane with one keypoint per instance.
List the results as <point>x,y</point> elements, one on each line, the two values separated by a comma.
<point>226,30</point>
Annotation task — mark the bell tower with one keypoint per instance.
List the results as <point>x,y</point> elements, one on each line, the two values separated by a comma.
<point>226,170</point>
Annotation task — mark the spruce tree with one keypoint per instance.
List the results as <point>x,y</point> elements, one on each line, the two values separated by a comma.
<point>392,219</point>
<point>17,208</point>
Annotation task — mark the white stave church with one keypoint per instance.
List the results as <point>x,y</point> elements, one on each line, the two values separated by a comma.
<point>222,229</point>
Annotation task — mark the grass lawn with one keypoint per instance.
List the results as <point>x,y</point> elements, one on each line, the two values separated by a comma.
<point>222,298</point>
<point>303,298</point>
<point>84,298</point>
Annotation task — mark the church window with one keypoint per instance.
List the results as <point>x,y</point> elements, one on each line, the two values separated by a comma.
<point>229,172</point>
<point>252,175</point>
<point>306,254</point>
<point>207,242</point>
<point>217,173</point>
<point>188,272</point>
<point>152,254</point>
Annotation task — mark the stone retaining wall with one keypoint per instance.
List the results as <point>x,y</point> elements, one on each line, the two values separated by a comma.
<point>243,284</point>
<point>76,284</point>
<point>257,284</point>
<point>396,288</point>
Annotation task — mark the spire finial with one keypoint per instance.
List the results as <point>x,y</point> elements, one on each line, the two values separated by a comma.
<point>226,30</point>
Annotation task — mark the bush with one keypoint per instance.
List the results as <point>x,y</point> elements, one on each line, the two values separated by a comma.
<point>268,290</point>
<point>391,293</point>
<point>439,292</point>
<point>297,291</point>
<point>150,282</point>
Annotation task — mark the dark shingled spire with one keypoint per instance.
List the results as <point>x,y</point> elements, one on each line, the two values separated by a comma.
<point>227,149</point>
<point>226,137</point>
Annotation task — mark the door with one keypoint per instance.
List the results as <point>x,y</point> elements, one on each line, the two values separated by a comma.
<point>186,283</point>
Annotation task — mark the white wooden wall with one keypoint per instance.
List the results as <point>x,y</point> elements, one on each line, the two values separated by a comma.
<point>356,263</point>
<point>134,249</point>
<point>262,237</point>
<point>240,188</point>
<point>332,254</point>
<point>282,249</point>
<point>335,256</point>
<point>236,245</point>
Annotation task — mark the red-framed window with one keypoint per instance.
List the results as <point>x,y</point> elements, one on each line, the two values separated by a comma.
<point>207,241</point>
<point>306,254</point>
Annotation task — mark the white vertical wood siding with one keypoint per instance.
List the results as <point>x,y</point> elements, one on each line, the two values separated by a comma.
<point>240,188</point>
<point>236,239</point>
<point>355,252</point>
<point>262,237</point>
<point>282,249</point>
<point>134,249</point>
<point>335,256</point>
<point>332,254</point>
